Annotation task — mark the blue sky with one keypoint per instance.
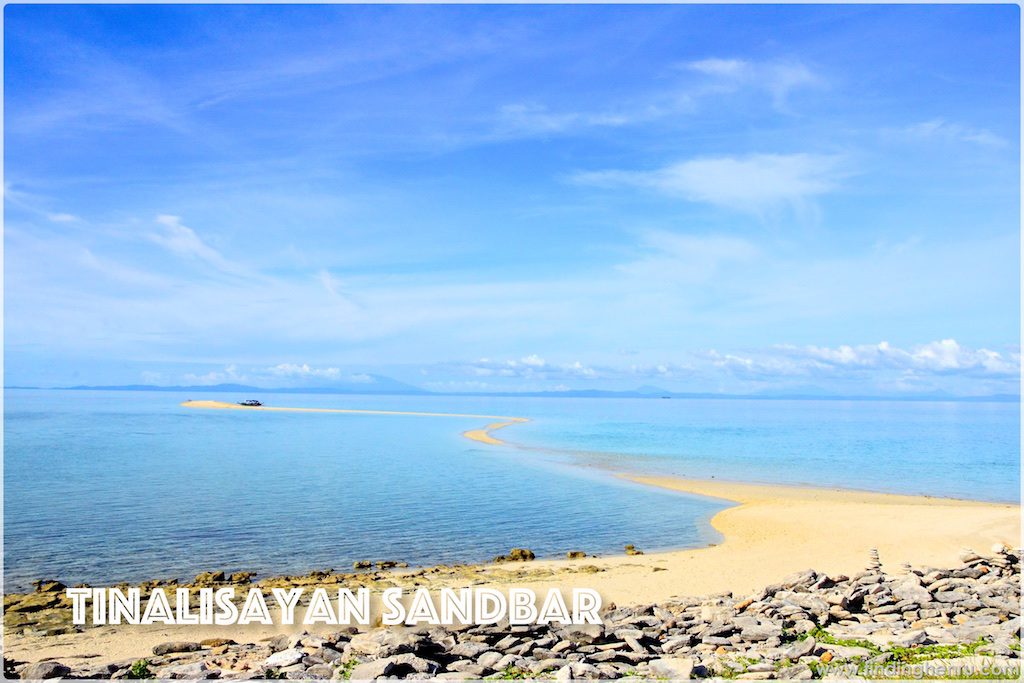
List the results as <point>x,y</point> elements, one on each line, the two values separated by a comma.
<point>700,198</point>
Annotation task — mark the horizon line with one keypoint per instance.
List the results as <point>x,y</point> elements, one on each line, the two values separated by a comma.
<point>544,393</point>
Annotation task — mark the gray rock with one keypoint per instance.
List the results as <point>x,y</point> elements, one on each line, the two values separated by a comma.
<point>369,671</point>
<point>676,668</point>
<point>44,670</point>
<point>584,633</point>
<point>761,632</point>
<point>676,643</point>
<point>397,665</point>
<point>505,643</point>
<point>797,672</point>
<point>910,638</point>
<point>467,666</point>
<point>489,659</point>
<point>800,648</point>
<point>844,652</point>
<point>950,596</point>
<point>469,649</point>
<point>284,658</point>
<point>191,671</point>
<point>175,646</point>
<point>320,671</point>
<point>584,670</point>
<point>543,665</point>
<point>278,643</point>
<point>456,676</point>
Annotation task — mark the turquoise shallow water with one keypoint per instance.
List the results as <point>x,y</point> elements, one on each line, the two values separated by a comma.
<point>102,487</point>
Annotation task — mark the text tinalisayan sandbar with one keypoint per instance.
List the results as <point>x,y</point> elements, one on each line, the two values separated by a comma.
<point>345,607</point>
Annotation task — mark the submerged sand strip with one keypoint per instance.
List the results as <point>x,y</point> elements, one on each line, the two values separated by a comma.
<point>482,435</point>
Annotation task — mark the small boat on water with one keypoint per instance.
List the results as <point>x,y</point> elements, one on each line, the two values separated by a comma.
<point>251,403</point>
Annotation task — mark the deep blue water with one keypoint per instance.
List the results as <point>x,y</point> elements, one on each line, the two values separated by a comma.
<point>102,487</point>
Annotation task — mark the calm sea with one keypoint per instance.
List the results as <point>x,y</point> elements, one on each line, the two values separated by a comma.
<point>103,487</point>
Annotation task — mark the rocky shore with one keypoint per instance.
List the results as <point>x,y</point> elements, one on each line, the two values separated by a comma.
<point>883,622</point>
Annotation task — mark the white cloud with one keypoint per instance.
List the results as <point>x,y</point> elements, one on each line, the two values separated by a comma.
<point>63,218</point>
<point>943,356</point>
<point>726,68</point>
<point>940,129</point>
<point>687,258</point>
<point>777,78</point>
<point>527,367</point>
<point>538,119</point>
<point>230,373</point>
<point>932,359</point>
<point>183,241</point>
<point>866,369</point>
<point>304,370</point>
<point>754,183</point>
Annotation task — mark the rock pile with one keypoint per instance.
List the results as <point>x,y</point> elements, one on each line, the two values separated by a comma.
<point>807,626</point>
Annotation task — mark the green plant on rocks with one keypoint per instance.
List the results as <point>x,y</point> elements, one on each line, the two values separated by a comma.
<point>823,637</point>
<point>923,653</point>
<point>511,673</point>
<point>140,669</point>
<point>344,672</point>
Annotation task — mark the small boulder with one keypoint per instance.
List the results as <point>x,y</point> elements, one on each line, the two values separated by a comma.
<point>521,555</point>
<point>208,578</point>
<point>516,555</point>
<point>910,638</point>
<point>175,646</point>
<point>583,633</point>
<point>362,564</point>
<point>48,586</point>
<point>191,671</point>
<point>800,648</point>
<point>575,554</point>
<point>284,658</point>
<point>674,668</point>
<point>44,670</point>
<point>216,642</point>
<point>398,665</point>
<point>631,550</point>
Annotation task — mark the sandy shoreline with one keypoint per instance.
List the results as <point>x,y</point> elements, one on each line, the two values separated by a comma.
<point>770,532</point>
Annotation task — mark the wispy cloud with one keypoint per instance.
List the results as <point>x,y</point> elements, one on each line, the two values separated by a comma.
<point>939,129</point>
<point>36,204</point>
<point>778,78</point>
<point>538,119</point>
<point>528,367</point>
<point>677,257</point>
<point>756,183</point>
<point>183,241</point>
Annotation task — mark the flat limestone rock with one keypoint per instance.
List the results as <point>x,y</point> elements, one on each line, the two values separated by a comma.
<point>675,668</point>
<point>44,670</point>
<point>175,646</point>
